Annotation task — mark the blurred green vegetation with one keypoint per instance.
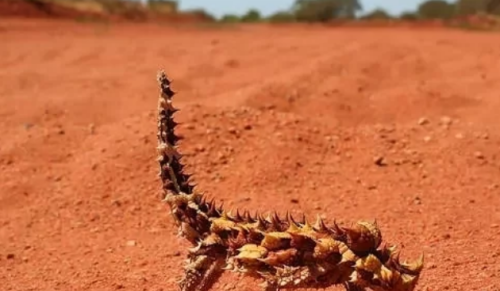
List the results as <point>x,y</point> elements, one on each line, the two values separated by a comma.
<point>330,10</point>
<point>300,11</point>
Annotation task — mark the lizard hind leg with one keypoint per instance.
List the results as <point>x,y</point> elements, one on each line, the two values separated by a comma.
<point>351,287</point>
<point>201,272</point>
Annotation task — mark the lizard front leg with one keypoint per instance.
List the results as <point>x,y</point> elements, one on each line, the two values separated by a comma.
<point>201,271</point>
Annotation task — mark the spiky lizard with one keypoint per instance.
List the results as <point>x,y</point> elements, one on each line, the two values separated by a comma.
<point>283,252</point>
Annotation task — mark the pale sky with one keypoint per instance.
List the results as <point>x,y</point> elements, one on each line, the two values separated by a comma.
<point>220,7</point>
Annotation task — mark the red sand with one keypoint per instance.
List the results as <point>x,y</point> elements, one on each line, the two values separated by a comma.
<point>274,119</point>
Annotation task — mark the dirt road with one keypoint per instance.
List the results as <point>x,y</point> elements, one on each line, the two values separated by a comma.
<point>394,124</point>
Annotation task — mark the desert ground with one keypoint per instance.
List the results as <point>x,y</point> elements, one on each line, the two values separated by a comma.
<point>394,124</point>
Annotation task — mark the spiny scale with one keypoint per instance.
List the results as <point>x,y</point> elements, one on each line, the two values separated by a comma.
<point>283,252</point>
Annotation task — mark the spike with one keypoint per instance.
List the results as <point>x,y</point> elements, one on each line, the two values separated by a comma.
<point>256,215</point>
<point>196,248</point>
<point>291,220</point>
<point>276,221</point>
<point>268,218</point>
<point>245,216</point>
<point>337,229</point>
<point>304,219</point>
<point>320,224</point>
<point>292,227</point>
<point>238,215</point>
<point>305,222</point>
<point>211,208</point>
<point>415,267</point>
<point>260,220</point>
<point>395,258</point>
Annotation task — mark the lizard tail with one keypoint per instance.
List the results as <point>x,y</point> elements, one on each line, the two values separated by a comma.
<point>174,180</point>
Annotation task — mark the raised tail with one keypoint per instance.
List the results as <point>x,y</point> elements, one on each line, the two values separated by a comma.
<point>174,180</point>
<point>189,209</point>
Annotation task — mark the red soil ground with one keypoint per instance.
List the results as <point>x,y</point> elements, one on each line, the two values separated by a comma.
<point>273,118</point>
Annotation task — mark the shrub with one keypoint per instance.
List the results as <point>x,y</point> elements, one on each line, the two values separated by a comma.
<point>471,7</point>
<point>436,9</point>
<point>252,15</point>
<point>163,6</point>
<point>230,18</point>
<point>377,14</point>
<point>408,16</point>
<point>281,17</point>
<point>325,10</point>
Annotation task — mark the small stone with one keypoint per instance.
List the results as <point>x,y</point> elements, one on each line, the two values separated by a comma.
<point>432,266</point>
<point>176,254</point>
<point>200,148</point>
<point>294,200</point>
<point>91,128</point>
<point>245,199</point>
<point>423,121</point>
<point>479,155</point>
<point>493,187</point>
<point>10,256</point>
<point>247,127</point>
<point>380,161</point>
<point>446,121</point>
<point>131,243</point>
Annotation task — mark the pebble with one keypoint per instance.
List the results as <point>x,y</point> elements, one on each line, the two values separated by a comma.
<point>380,161</point>
<point>423,121</point>
<point>200,148</point>
<point>131,243</point>
<point>91,128</point>
<point>233,130</point>
<point>478,155</point>
<point>446,121</point>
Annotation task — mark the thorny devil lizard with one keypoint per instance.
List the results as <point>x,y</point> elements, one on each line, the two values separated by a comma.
<point>284,252</point>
